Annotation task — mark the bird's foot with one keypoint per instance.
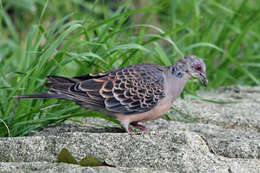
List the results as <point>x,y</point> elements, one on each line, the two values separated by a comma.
<point>139,126</point>
<point>128,130</point>
<point>125,124</point>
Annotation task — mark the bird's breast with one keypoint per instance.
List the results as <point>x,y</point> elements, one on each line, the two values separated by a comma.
<point>175,86</point>
<point>159,110</point>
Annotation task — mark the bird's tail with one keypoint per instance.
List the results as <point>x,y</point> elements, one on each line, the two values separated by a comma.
<point>44,95</point>
<point>58,88</point>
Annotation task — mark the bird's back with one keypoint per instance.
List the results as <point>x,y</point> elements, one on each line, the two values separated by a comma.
<point>128,90</point>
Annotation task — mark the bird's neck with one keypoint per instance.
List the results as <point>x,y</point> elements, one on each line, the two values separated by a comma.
<point>177,81</point>
<point>179,70</point>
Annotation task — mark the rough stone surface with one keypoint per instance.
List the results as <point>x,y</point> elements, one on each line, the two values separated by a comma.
<point>212,138</point>
<point>243,113</point>
<point>47,167</point>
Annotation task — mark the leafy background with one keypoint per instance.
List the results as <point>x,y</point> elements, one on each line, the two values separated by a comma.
<point>48,37</point>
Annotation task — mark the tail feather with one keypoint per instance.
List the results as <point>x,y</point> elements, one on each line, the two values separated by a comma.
<point>44,95</point>
<point>59,86</point>
<point>61,79</point>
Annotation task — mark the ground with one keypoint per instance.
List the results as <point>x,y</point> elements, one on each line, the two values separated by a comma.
<point>216,138</point>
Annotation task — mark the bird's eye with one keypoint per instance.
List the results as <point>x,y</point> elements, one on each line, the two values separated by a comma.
<point>198,67</point>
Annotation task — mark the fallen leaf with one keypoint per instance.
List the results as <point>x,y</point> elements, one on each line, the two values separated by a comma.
<point>66,157</point>
<point>93,161</point>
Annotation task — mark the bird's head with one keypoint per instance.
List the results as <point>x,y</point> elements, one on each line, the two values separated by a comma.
<point>195,67</point>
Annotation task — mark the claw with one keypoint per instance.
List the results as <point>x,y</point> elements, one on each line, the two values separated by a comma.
<point>141,127</point>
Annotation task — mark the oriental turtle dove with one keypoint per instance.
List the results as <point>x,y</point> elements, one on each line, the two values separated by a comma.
<point>130,94</point>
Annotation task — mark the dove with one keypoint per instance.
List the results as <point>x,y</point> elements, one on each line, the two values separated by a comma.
<point>131,94</point>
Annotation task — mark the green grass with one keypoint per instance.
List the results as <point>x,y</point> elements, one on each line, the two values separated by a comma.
<point>40,38</point>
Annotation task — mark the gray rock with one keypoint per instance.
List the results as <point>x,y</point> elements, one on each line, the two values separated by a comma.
<point>232,143</point>
<point>216,138</point>
<point>180,151</point>
<point>47,167</point>
<point>243,113</point>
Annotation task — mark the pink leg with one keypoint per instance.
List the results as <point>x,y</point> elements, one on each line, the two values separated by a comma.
<point>126,126</point>
<point>141,127</point>
<point>128,130</point>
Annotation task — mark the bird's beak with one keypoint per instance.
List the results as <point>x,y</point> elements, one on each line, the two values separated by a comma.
<point>203,79</point>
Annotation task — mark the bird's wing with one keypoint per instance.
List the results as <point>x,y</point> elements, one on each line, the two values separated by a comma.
<point>129,90</point>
